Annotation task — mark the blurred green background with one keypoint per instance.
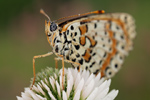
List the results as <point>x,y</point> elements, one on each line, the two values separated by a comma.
<point>22,36</point>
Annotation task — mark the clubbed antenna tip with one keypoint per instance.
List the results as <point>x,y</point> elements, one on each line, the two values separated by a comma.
<point>42,12</point>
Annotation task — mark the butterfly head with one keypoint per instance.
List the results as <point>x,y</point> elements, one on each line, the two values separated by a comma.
<point>50,28</point>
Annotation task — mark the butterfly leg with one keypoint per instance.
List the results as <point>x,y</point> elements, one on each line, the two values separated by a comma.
<point>38,56</point>
<point>68,61</point>
<point>56,66</point>
<point>74,63</point>
<point>56,63</point>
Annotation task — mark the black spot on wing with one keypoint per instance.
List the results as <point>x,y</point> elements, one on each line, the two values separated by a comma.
<point>77,47</point>
<point>78,68</point>
<point>105,33</point>
<point>74,40</point>
<point>117,27</point>
<point>96,72</point>
<point>86,28</point>
<point>67,32</point>
<point>95,25</point>
<point>55,40</point>
<point>60,34</point>
<point>77,55</point>
<point>105,54</point>
<point>100,62</point>
<point>58,41</point>
<point>75,34</point>
<point>49,35</point>
<point>71,27</point>
<point>67,57</point>
<point>110,24</point>
<point>83,22</point>
<point>71,35</point>
<point>92,64</point>
<point>69,42</point>
<point>81,61</point>
<point>122,37</point>
<point>116,65</point>
<point>94,54</point>
<point>122,47</point>
<point>74,59</point>
<point>125,19</point>
<point>66,49</point>
<point>71,52</point>
<point>86,67</point>
<point>56,49</point>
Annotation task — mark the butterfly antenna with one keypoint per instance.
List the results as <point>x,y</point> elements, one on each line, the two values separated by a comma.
<point>94,12</point>
<point>42,12</point>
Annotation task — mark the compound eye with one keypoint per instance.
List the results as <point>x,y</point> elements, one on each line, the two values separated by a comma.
<point>53,26</point>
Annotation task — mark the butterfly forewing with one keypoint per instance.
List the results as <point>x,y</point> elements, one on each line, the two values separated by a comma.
<point>99,42</point>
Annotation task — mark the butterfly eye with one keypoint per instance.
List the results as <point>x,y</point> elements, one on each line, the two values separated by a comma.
<point>53,26</point>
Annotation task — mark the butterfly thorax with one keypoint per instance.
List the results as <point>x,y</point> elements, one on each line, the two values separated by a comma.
<point>57,39</point>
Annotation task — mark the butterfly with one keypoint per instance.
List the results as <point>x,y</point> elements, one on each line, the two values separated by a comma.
<point>95,41</point>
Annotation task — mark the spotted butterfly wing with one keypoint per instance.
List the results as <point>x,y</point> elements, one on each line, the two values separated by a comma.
<point>100,41</point>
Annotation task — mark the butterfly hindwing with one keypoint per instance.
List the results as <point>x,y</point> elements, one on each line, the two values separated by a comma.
<point>100,42</point>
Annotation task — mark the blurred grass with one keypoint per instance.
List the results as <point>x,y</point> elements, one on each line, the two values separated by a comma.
<point>22,36</point>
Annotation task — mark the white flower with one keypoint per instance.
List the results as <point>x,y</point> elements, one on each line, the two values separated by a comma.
<point>77,86</point>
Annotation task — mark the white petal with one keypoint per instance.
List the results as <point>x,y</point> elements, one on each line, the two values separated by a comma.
<point>46,81</point>
<point>111,95</point>
<point>19,98</point>
<point>77,95</point>
<point>60,81</point>
<point>35,88</point>
<point>97,79</point>
<point>40,97</point>
<point>100,82</point>
<point>102,94</point>
<point>69,88</point>
<point>80,85</point>
<point>51,95</point>
<point>26,96</point>
<point>52,83</point>
<point>68,74</point>
<point>58,89</point>
<point>84,85</point>
<point>70,77</point>
<point>40,89</point>
<point>64,95</point>
<point>69,83</point>
<point>101,88</point>
<point>86,75</point>
<point>55,76</point>
<point>74,73</point>
<point>53,79</point>
<point>33,95</point>
<point>78,78</point>
<point>89,80</point>
<point>108,83</point>
<point>87,90</point>
<point>93,94</point>
<point>45,86</point>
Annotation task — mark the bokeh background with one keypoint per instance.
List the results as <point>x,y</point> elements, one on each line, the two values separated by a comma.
<point>22,36</point>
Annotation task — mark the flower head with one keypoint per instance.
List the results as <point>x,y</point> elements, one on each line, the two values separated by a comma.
<point>77,86</point>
